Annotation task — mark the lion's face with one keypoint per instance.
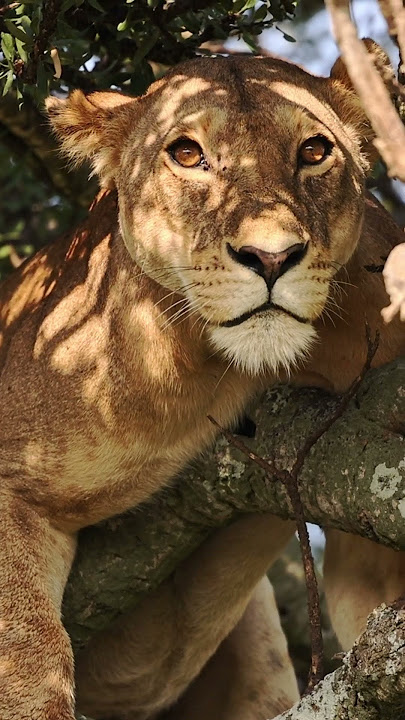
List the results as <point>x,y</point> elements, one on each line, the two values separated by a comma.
<point>240,185</point>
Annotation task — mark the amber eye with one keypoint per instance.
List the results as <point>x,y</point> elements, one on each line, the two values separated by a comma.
<point>186,153</point>
<point>314,150</point>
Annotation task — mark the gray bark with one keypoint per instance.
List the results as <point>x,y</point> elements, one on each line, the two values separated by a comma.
<point>370,685</point>
<point>353,479</point>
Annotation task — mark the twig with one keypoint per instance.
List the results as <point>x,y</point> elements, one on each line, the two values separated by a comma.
<point>10,6</point>
<point>390,133</point>
<point>50,11</point>
<point>394,13</point>
<point>267,465</point>
<point>290,482</point>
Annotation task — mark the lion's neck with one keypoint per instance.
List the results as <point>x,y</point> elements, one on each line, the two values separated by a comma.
<point>165,370</point>
<point>357,299</point>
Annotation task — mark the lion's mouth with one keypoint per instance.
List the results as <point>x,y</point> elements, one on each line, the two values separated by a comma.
<point>262,308</point>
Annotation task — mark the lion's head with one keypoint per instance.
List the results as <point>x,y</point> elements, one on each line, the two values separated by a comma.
<point>241,186</point>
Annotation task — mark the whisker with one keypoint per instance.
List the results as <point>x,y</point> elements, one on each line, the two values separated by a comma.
<point>174,292</point>
<point>181,314</point>
<point>182,301</point>
<point>331,303</point>
<point>329,316</point>
<point>223,374</point>
<point>329,311</point>
<point>203,328</point>
<point>192,308</point>
<point>171,320</point>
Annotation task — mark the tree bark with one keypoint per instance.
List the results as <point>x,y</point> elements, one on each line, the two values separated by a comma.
<point>353,479</point>
<point>370,685</point>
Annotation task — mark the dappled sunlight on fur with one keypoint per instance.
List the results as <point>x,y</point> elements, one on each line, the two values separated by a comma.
<point>186,291</point>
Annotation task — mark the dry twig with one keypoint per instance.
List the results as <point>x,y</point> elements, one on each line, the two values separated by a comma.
<point>394,13</point>
<point>290,478</point>
<point>10,6</point>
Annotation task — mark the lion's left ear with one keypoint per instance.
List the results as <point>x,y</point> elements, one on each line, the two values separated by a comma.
<point>90,127</point>
<point>346,102</point>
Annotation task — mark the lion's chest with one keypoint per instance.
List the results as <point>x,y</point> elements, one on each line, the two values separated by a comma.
<point>91,465</point>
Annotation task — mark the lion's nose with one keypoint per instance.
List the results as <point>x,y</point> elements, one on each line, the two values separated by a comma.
<point>268,265</point>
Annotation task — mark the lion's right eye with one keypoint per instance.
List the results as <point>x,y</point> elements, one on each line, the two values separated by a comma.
<point>186,153</point>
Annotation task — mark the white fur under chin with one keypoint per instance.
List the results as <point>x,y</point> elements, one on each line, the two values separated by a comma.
<point>265,343</point>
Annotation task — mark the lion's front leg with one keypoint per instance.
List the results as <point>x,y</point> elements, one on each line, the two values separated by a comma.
<point>359,575</point>
<point>250,677</point>
<point>147,660</point>
<point>36,666</point>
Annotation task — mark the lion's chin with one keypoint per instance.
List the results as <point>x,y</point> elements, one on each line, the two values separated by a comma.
<point>269,342</point>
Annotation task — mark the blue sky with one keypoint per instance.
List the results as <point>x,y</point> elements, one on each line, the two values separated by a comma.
<point>315,48</point>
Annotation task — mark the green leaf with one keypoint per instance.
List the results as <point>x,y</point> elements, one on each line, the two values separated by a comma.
<point>9,82</point>
<point>18,32</point>
<point>141,78</point>
<point>21,50</point>
<point>145,44</point>
<point>25,22</point>
<point>237,6</point>
<point>42,81</point>
<point>96,5</point>
<point>250,41</point>
<point>248,5</point>
<point>287,37</point>
<point>66,5</point>
<point>260,13</point>
<point>7,46</point>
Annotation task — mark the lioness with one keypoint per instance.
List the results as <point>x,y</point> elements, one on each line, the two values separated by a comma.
<point>233,219</point>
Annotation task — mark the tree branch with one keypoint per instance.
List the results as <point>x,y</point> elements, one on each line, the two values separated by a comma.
<point>394,13</point>
<point>289,478</point>
<point>362,491</point>
<point>390,133</point>
<point>370,685</point>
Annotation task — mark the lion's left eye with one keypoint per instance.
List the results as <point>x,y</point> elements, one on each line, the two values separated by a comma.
<point>186,153</point>
<point>314,150</point>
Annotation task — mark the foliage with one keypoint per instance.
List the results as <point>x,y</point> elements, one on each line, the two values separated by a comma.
<point>55,45</point>
<point>99,43</point>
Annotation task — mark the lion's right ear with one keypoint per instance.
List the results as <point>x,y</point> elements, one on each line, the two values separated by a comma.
<point>89,127</point>
<point>347,103</point>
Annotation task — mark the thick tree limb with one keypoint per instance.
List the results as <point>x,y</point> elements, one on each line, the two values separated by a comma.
<point>353,479</point>
<point>290,478</point>
<point>390,140</point>
<point>370,685</point>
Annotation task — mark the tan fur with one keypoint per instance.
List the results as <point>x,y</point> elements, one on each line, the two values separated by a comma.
<point>113,351</point>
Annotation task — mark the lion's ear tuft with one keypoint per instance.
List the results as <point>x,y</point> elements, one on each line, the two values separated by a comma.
<point>379,58</point>
<point>88,128</point>
<point>348,105</point>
